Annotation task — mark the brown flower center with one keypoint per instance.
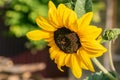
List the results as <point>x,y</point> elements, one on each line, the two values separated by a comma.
<point>68,41</point>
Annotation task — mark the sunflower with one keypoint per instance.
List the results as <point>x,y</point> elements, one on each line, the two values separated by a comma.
<point>73,42</point>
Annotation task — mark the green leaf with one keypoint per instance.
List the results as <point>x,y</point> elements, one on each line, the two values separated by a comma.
<point>97,76</point>
<point>88,6</point>
<point>82,7</point>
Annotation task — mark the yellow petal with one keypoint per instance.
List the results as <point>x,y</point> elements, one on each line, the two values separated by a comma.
<point>93,48</point>
<point>43,23</point>
<point>68,17</point>
<point>76,69</point>
<point>84,21</point>
<point>86,59</point>
<point>51,5</point>
<point>67,60</point>
<point>91,32</point>
<point>81,63</point>
<point>53,44</point>
<point>99,39</point>
<point>61,60</point>
<point>72,19</point>
<point>53,52</point>
<point>95,29</point>
<point>53,16</point>
<point>37,35</point>
<point>65,17</point>
<point>51,39</point>
<point>57,56</point>
<point>61,10</point>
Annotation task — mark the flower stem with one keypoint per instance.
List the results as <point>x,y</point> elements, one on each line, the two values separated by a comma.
<point>100,66</point>
<point>110,57</point>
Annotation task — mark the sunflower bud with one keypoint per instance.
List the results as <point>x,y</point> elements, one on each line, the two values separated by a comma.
<point>111,34</point>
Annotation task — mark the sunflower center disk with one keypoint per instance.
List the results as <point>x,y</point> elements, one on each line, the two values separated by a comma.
<point>67,40</point>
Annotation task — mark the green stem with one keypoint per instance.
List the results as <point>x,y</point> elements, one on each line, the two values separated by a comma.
<point>110,57</point>
<point>100,66</point>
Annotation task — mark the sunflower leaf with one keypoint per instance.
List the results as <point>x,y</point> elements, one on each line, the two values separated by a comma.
<point>82,7</point>
<point>88,6</point>
<point>98,76</point>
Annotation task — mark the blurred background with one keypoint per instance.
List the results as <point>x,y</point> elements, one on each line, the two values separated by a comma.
<point>23,59</point>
